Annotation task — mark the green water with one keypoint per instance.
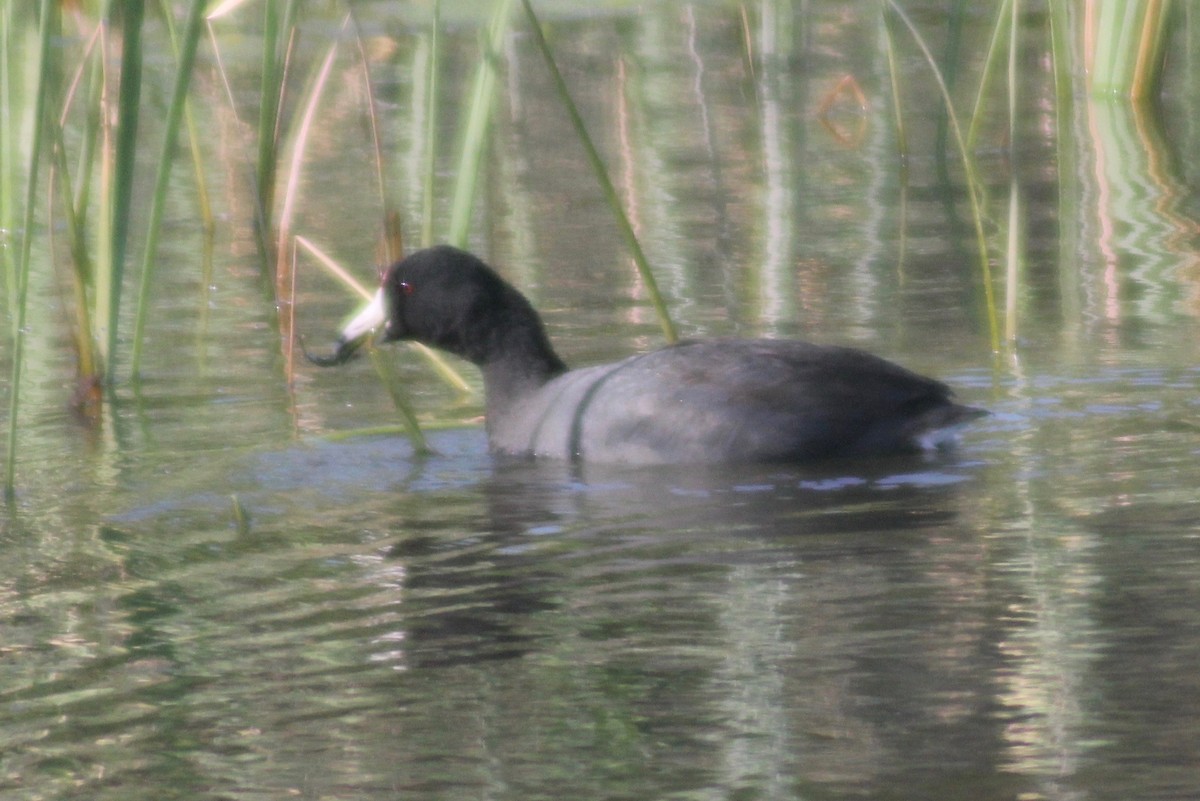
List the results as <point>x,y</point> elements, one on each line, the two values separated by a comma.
<point>208,596</point>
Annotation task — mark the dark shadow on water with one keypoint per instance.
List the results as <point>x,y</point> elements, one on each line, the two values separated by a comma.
<point>536,533</point>
<point>829,497</point>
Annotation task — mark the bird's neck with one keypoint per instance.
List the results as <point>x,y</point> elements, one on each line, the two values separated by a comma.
<point>519,361</point>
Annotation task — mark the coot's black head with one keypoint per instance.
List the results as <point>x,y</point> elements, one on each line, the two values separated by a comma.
<point>449,299</point>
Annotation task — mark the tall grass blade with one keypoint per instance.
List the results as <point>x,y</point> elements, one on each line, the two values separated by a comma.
<point>88,396</point>
<point>183,77</point>
<point>478,121</point>
<point>1064,45</point>
<point>431,125</point>
<point>392,243</point>
<point>225,7</point>
<point>372,115</point>
<point>973,182</point>
<point>300,144</point>
<point>1003,27</point>
<point>87,367</point>
<point>91,69</point>
<point>388,375</point>
<point>1012,263</point>
<point>1149,60</point>
<point>1123,45</point>
<point>8,156</point>
<point>111,269</point>
<point>285,258</point>
<point>1014,255</point>
<point>241,516</point>
<point>207,222</point>
<point>901,140</point>
<point>335,269</point>
<point>279,34</point>
<point>269,101</point>
<point>46,27</point>
<point>894,80</point>
<point>606,185</point>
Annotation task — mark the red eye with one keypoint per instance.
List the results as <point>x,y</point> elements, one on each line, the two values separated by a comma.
<point>406,288</point>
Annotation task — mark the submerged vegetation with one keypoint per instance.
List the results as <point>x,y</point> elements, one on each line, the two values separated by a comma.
<point>74,136</point>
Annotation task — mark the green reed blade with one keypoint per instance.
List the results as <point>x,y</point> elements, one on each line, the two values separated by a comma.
<point>1002,28</point>
<point>88,365</point>
<point>901,142</point>
<point>1012,261</point>
<point>478,121</point>
<point>183,78</point>
<point>392,240</point>
<point>1014,245</point>
<point>241,516</point>
<point>373,122</point>
<point>1067,160</point>
<point>270,89</point>
<point>111,269</point>
<point>284,274</point>
<point>91,68</point>
<point>972,178</point>
<point>8,156</point>
<point>1116,24</point>
<point>300,147</point>
<point>1149,60</point>
<point>392,382</point>
<point>1126,46</point>
<point>894,82</point>
<point>203,203</point>
<point>431,125</point>
<point>46,26</point>
<point>279,33</point>
<point>610,192</point>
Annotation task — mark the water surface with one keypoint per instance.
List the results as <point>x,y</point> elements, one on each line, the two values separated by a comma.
<point>211,595</point>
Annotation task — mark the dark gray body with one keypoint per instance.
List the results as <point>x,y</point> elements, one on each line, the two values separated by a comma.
<point>729,401</point>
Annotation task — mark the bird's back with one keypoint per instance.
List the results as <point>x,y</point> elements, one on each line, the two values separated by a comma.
<point>730,401</point>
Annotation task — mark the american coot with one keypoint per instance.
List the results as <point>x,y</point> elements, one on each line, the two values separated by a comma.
<point>724,400</point>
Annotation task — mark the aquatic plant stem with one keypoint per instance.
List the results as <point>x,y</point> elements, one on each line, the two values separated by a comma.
<point>901,143</point>
<point>1149,53</point>
<point>973,182</point>
<point>1003,26</point>
<point>278,38</point>
<point>241,516</point>
<point>388,375</point>
<point>87,366</point>
<point>1013,245</point>
<point>392,240</point>
<point>606,185</point>
<point>300,145</point>
<point>183,75</point>
<point>478,121</point>
<point>45,28</point>
<point>1067,157</point>
<point>270,89</point>
<point>285,257</point>
<point>111,271</point>
<point>204,205</point>
<point>431,123</point>
<point>8,154</point>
